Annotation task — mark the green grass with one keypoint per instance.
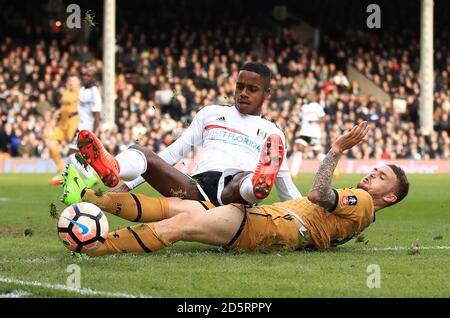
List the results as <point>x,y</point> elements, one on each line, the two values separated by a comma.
<point>196,270</point>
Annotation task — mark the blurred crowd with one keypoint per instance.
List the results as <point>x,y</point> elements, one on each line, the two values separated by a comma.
<point>165,77</point>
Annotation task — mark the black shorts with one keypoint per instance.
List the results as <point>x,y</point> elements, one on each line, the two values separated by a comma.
<point>209,182</point>
<point>312,141</point>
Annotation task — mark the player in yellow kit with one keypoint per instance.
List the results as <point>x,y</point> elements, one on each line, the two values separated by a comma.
<point>66,126</point>
<point>325,218</point>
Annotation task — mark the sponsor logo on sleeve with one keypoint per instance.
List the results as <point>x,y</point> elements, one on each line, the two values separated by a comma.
<point>349,200</point>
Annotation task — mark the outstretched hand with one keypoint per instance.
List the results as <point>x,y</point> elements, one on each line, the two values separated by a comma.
<point>350,138</point>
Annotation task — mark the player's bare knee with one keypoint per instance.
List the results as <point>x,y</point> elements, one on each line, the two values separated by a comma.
<point>234,184</point>
<point>175,201</point>
<point>183,226</point>
<point>231,193</point>
<point>149,154</point>
<point>190,207</point>
<point>172,229</point>
<point>142,149</point>
<point>176,206</point>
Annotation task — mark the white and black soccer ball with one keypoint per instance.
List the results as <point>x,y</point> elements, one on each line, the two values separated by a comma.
<point>82,226</point>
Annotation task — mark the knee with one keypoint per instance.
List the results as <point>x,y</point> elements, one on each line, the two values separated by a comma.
<point>231,192</point>
<point>139,148</point>
<point>175,201</point>
<point>183,219</point>
<point>147,152</point>
<point>183,226</point>
<point>175,206</point>
<point>237,178</point>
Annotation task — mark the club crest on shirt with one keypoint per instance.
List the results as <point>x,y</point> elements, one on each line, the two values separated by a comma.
<point>261,134</point>
<point>349,200</point>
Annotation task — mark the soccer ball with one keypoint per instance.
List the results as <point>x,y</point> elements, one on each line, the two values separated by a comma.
<point>82,226</point>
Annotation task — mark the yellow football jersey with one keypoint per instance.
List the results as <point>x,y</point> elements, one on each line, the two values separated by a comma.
<point>352,213</point>
<point>69,105</point>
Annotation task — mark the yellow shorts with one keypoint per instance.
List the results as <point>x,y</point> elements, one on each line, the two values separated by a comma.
<point>65,132</point>
<point>267,229</point>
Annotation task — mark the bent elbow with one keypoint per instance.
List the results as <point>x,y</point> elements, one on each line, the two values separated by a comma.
<point>313,196</point>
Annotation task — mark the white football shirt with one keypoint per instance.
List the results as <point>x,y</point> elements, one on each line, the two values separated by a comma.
<point>311,112</point>
<point>230,140</point>
<point>89,102</point>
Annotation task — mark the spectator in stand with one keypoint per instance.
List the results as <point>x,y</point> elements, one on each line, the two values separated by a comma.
<point>178,71</point>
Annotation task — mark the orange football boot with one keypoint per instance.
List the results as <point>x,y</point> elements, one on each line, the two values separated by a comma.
<point>56,180</point>
<point>91,151</point>
<point>270,160</point>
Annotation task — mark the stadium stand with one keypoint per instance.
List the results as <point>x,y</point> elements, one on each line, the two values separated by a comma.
<point>172,64</point>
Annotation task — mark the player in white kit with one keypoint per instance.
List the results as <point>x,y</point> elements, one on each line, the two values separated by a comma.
<point>310,133</point>
<point>242,153</point>
<point>89,108</point>
<point>312,114</point>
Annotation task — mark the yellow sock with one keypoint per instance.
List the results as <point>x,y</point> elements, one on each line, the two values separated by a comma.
<point>56,156</point>
<point>129,206</point>
<point>140,238</point>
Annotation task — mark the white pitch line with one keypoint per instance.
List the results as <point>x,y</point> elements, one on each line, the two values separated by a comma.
<point>82,291</point>
<point>404,248</point>
<point>29,261</point>
<point>16,294</point>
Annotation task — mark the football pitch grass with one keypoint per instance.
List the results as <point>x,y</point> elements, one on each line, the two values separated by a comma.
<point>408,243</point>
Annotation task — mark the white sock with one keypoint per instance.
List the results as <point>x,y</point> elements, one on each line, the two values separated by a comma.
<point>86,172</point>
<point>134,183</point>
<point>246,190</point>
<point>132,163</point>
<point>296,163</point>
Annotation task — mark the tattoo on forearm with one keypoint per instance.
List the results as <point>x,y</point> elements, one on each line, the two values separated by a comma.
<point>322,181</point>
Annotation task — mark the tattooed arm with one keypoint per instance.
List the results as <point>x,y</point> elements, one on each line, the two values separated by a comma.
<point>321,192</point>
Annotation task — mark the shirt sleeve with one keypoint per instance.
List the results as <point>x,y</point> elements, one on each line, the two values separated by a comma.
<point>189,139</point>
<point>351,203</point>
<point>97,106</point>
<point>285,186</point>
<point>319,111</point>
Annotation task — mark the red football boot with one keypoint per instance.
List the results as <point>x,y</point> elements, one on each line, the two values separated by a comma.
<point>56,180</point>
<point>270,160</point>
<point>92,151</point>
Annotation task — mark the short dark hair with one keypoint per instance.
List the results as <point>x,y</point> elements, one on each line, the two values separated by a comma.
<point>89,68</point>
<point>260,69</point>
<point>402,187</point>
